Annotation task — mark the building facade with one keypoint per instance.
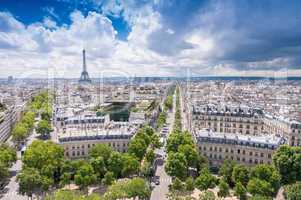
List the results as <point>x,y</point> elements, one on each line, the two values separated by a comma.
<point>248,150</point>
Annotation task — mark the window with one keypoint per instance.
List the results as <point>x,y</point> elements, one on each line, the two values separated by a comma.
<point>251,153</point>
<point>227,150</point>
<point>238,151</point>
<point>261,154</point>
<point>204,148</point>
<point>243,152</point>
<point>250,161</point>
<point>269,155</point>
<point>220,149</point>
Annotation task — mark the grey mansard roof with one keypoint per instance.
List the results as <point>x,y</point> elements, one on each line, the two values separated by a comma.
<point>263,141</point>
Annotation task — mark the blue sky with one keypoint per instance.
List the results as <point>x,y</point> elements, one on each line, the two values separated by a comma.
<point>150,37</point>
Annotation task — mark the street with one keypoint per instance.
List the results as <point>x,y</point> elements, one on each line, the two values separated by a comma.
<point>160,191</point>
<point>11,190</point>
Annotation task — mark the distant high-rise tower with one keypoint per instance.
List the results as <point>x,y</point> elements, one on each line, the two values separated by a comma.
<point>84,77</point>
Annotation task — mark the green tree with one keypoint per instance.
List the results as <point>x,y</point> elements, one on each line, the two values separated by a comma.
<point>44,128</point>
<point>108,178</point>
<point>46,157</point>
<point>65,179</point>
<point>260,187</point>
<point>168,102</point>
<point>19,133</point>
<point>240,191</point>
<point>138,187</point>
<point>150,156</point>
<point>293,191</point>
<point>4,172</point>
<point>155,141</point>
<point>191,154</point>
<point>99,166</point>
<point>8,155</point>
<point>101,150</point>
<point>85,176</point>
<point>161,119</point>
<point>287,161</point>
<point>177,185</point>
<point>137,147</point>
<point>116,164</point>
<point>189,183</point>
<point>130,165</point>
<point>176,165</point>
<point>131,188</point>
<point>240,174</point>
<point>264,180</point>
<point>176,139</point>
<point>226,171</point>
<point>223,188</point>
<point>207,195</point>
<point>31,182</point>
<point>205,180</point>
<point>46,116</point>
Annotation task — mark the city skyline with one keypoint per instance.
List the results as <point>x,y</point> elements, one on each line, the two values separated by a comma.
<point>150,38</point>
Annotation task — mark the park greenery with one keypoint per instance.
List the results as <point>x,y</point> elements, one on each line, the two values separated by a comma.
<point>7,157</point>
<point>38,105</point>
<point>293,191</point>
<point>45,168</point>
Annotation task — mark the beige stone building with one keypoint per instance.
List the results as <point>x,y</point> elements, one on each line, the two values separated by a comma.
<point>78,142</point>
<point>246,121</point>
<point>242,134</point>
<point>243,149</point>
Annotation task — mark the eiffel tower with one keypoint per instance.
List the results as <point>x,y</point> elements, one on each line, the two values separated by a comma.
<point>84,77</point>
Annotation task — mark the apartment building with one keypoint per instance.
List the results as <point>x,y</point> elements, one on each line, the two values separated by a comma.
<point>78,142</point>
<point>243,149</point>
<point>245,120</point>
<point>228,119</point>
<point>8,120</point>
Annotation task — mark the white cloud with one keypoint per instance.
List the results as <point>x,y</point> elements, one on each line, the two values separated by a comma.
<point>153,47</point>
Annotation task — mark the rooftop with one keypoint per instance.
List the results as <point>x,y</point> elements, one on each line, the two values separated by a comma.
<point>239,139</point>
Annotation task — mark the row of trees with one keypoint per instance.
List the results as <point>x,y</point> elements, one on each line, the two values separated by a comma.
<point>38,104</point>
<point>45,169</point>
<point>7,157</point>
<point>260,180</point>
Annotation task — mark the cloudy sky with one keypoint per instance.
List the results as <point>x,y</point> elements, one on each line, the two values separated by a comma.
<point>40,38</point>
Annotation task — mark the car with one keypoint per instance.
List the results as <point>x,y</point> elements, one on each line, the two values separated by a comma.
<point>157,182</point>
